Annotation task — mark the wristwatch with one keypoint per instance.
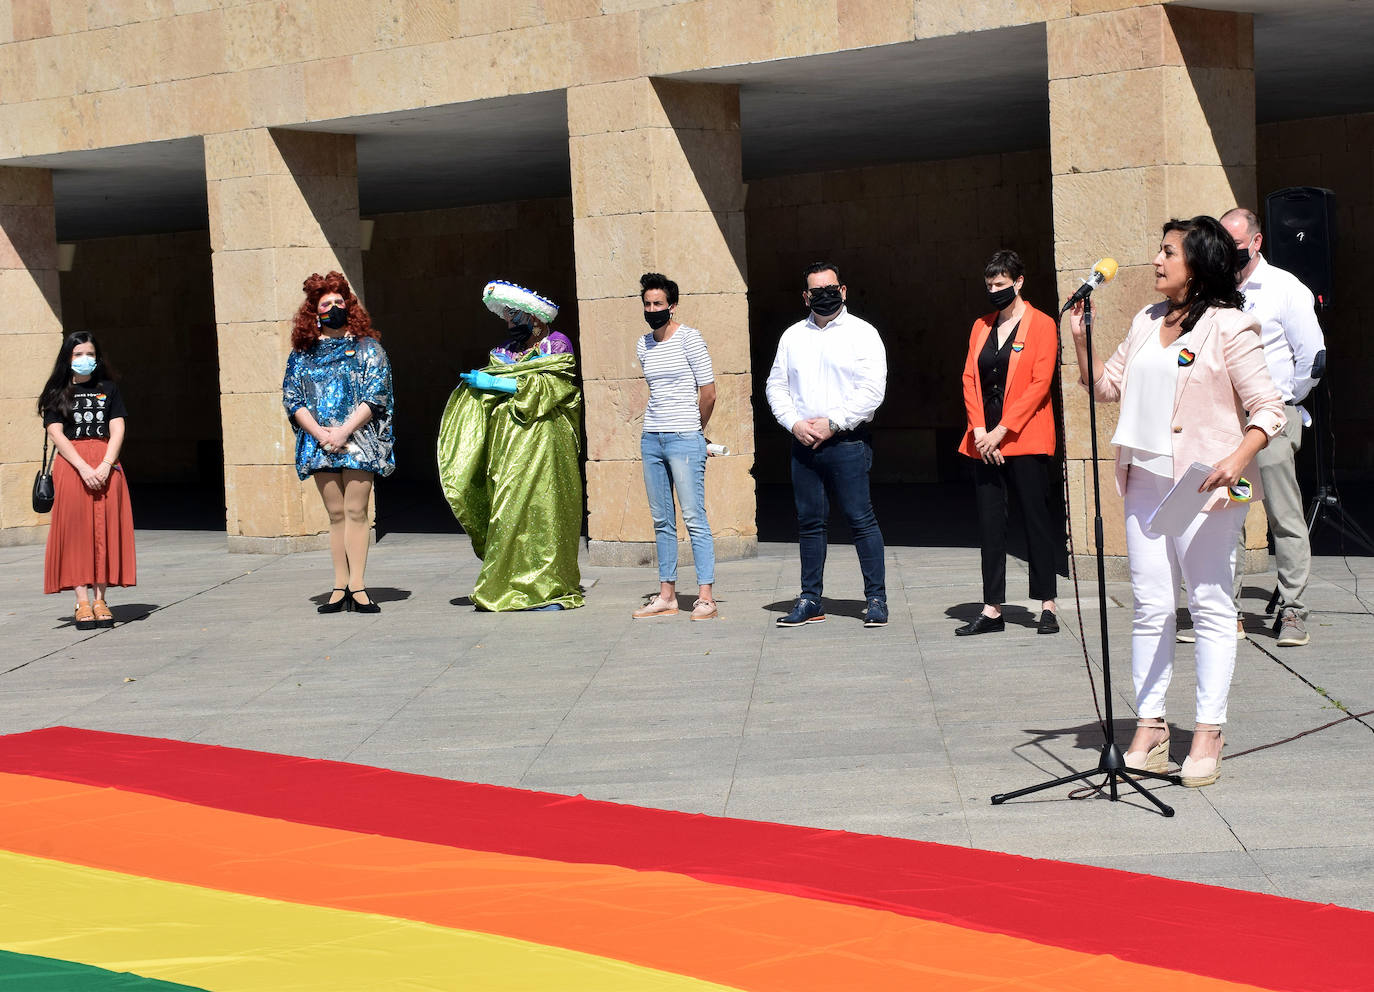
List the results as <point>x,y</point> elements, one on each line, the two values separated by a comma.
<point>834,427</point>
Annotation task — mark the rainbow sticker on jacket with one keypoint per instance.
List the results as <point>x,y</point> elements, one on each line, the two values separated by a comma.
<point>1185,358</point>
<point>350,352</point>
<point>1017,345</point>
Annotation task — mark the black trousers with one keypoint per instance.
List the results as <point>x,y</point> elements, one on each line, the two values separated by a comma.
<point>1028,478</point>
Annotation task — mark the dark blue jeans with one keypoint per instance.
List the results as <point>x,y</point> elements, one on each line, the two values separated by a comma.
<point>836,470</point>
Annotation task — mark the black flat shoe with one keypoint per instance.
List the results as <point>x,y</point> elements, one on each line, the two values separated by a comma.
<point>335,606</point>
<point>982,624</point>
<point>357,607</point>
<point>1049,623</point>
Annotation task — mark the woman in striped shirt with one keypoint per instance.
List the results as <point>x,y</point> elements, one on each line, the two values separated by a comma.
<point>682,393</point>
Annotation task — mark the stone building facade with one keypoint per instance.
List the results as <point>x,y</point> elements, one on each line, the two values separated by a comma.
<point>204,156</point>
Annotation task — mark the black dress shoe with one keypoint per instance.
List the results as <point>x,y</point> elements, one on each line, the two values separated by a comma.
<point>1049,623</point>
<point>357,607</point>
<point>982,624</point>
<point>335,606</point>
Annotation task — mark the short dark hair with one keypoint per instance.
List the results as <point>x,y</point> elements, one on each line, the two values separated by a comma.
<point>1252,223</point>
<point>1210,254</point>
<point>815,267</point>
<point>1004,262</point>
<point>657,280</point>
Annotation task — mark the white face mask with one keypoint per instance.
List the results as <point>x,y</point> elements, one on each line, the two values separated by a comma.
<point>83,364</point>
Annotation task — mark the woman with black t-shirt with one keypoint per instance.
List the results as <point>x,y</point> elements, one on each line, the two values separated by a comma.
<point>91,538</point>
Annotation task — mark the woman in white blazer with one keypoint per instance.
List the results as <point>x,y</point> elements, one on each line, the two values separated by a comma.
<point>1193,387</point>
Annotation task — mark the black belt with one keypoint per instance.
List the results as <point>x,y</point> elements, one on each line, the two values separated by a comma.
<point>861,433</point>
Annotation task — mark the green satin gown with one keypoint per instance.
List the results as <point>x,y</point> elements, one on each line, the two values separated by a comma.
<point>510,470</point>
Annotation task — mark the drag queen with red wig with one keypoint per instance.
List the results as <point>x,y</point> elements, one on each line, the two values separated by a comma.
<point>337,394</point>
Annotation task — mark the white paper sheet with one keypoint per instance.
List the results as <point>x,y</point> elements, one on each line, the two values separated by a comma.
<point>1177,510</point>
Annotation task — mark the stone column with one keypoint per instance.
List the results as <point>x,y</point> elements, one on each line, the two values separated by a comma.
<point>657,187</point>
<point>283,204</point>
<point>31,331</point>
<point>1152,116</point>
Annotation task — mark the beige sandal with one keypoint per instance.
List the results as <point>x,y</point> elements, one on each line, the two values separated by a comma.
<point>1198,772</point>
<point>704,609</point>
<point>1157,758</point>
<point>656,607</point>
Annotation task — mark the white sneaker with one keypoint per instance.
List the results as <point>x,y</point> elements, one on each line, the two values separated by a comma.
<point>1292,631</point>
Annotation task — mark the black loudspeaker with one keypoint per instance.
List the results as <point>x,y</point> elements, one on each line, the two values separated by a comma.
<point>1299,224</point>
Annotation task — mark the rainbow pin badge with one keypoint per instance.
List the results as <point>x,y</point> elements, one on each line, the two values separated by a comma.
<point>1185,358</point>
<point>351,352</point>
<point>1017,345</point>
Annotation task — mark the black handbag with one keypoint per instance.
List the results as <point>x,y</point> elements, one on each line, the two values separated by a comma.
<point>42,482</point>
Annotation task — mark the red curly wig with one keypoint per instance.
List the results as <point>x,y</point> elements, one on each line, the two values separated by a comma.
<point>305,328</point>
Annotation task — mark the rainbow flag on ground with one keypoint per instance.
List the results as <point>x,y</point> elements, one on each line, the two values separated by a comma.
<point>133,864</point>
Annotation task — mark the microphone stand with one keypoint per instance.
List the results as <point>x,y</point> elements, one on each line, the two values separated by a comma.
<point>1110,761</point>
<point>1325,506</point>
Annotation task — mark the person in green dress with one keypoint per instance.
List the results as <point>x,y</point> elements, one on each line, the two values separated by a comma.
<point>509,450</point>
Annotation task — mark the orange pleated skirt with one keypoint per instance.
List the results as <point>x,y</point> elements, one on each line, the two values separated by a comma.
<point>91,535</point>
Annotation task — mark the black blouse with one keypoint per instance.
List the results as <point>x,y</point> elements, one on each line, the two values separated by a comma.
<point>992,373</point>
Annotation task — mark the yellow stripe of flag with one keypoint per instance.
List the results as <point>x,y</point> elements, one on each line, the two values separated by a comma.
<point>227,942</point>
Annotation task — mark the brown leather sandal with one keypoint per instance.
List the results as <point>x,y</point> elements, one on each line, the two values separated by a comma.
<point>103,616</point>
<point>85,616</point>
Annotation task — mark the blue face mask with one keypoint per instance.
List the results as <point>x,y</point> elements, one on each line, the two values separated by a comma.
<point>83,364</point>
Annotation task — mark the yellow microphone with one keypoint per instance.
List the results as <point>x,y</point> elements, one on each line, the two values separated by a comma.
<point>1103,271</point>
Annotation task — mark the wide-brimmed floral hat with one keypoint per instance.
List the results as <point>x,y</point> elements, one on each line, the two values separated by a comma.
<point>509,301</point>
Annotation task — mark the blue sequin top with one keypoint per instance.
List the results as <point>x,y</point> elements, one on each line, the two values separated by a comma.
<point>330,380</point>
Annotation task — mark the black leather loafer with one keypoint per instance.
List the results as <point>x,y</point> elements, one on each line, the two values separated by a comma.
<point>1049,623</point>
<point>982,624</point>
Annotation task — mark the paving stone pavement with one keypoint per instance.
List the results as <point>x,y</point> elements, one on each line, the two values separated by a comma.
<point>904,731</point>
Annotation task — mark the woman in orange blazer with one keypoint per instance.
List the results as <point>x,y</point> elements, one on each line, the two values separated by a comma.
<point>1011,356</point>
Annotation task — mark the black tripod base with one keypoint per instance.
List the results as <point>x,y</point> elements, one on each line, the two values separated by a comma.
<point>1326,509</point>
<point>1113,766</point>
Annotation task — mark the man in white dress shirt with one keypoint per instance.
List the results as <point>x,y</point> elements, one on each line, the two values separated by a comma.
<point>1295,351</point>
<point>825,386</point>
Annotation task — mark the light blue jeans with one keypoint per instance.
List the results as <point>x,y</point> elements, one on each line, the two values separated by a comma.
<point>678,459</point>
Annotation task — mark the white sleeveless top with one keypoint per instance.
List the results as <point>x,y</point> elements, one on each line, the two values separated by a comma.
<point>1147,406</point>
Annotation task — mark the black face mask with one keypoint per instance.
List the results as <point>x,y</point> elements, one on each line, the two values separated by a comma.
<point>1242,258</point>
<point>657,318</point>
<point>334,318</point>
<point>1000,299</point>
<point>826,301</point>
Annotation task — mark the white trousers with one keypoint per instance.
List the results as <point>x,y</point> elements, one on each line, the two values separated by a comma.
<point>1204,558</point>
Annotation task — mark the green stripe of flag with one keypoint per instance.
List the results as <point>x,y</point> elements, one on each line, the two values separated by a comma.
<point>35,974</point>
